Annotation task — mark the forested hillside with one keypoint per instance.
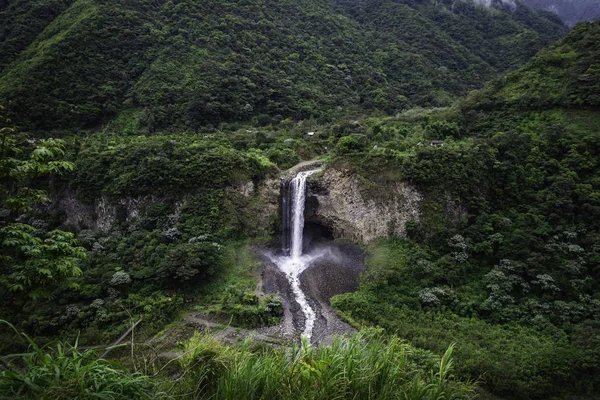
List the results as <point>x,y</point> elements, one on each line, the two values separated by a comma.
<point>22,21</point>
<point>516,277</point>
<point>161,64</point>
<point>566,74</point>
<point>177,121</point>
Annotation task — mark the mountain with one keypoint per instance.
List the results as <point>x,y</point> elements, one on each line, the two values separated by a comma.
<point>21,21</point>
<point>570,11</point>
<point>156,65</point>
<point>479,222</point>
<point>565,75</point>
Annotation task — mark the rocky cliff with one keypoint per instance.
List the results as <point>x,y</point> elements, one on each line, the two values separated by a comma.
<point>338,199</point>
<point>350,209</point>
<point>251,209</point>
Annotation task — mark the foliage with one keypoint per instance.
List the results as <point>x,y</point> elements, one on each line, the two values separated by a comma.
<point>121,166</point>
<point>64,372</point>
<point>503,260</point>
<point>35,265</point>
<point>442,129</point>
<point>248,310</point>
<point>348,144</point>
<point>32,261</point>
<point>504,257</point>
<point>363,366</point>
<point>565,74</point>
<point>150,65</point>
<point>509,360</point>
<point>505,247</point>
<point>22,21</point>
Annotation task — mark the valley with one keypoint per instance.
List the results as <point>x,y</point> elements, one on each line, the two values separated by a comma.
<point>350,199</point>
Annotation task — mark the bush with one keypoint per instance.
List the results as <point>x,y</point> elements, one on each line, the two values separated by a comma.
<point>349,144</point>
<point>512,361</point>
<point>442,130</point>
<point>284,158</point>
<point>246,309</point>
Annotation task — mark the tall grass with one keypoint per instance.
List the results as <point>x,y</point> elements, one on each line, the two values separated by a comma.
<point>62,372</point>
<point>364,366</point>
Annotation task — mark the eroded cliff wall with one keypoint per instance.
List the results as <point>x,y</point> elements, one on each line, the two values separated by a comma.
<point>352,209</point>
<point>250,208</point>
<point>339,199</point>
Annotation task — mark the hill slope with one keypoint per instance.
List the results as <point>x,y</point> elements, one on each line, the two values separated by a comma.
<point>515,278</point>
<point>193,63</point>
<point>566,74</point>
<point>21,21</point>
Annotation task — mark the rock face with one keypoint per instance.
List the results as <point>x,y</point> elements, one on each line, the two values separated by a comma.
<point>352,210</point>
<point>253,206</point>
<point>102,213</point>
<point>256,205</point>
<point>339,204</point>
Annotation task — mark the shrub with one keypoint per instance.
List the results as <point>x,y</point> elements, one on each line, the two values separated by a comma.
<point>442,130</point>
<point>348,144</point>
<point>246,309</point>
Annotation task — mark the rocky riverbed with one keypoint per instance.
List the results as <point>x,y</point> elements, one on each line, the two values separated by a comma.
<point>335,269</point>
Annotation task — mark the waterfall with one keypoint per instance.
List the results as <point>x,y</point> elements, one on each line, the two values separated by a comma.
<point>292,219</point>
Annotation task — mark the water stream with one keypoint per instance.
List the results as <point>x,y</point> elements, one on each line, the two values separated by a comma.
<point>294,262</point>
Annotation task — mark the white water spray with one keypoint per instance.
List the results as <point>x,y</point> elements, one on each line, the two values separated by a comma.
<point>296,263</point>
<point>298,200</point>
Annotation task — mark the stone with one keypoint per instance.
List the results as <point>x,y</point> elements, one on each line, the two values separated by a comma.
<point>338,201</point>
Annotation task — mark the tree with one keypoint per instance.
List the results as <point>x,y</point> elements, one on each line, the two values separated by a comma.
<point>349,144</point>
<point>31,261</point>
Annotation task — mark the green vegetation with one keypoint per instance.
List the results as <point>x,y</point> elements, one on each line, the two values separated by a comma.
<point>236,295</point>
<point>22,21</point>
<point>64,372</point>
<point>172,248</point>
<point>34,260</point>
<point>513,359</point>
<point>364,366</point>
<point>165,65</point>
<point>178,118</point>
<point>505,256</point>
<point>566,74</point>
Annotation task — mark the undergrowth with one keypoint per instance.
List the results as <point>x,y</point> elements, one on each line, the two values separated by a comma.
<point>65,372</point>
<point>364,366</point>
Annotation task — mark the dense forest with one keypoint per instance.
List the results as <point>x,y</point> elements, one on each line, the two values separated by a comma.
<point>520,267</point>
<point>165,65</point>
<point>138,143</point>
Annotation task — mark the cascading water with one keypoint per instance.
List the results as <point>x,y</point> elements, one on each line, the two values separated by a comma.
<point>293,263</point>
